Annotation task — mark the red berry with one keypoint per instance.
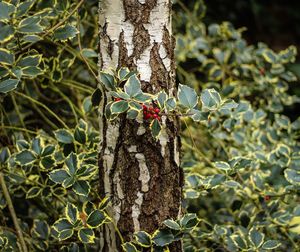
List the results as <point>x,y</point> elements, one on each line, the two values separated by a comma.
<point>118,99</point>
<point>157,110</point>
<point>144,107</point>
<point>150,109</point>
<point>155,116</point>
<point>147,116</point>
<point>262,71</point>
<point>158,118</point>
<point>267,197</point>
<point>145,112</point>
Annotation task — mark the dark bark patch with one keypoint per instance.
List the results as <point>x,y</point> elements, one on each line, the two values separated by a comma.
<point>160,76</point>
<point>141,40</point>
<point>138,13</point>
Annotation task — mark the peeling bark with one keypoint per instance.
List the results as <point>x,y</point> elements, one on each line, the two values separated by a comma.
<point>141,175</point>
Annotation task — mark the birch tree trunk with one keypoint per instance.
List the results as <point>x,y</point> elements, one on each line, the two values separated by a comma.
<point>141,175</point>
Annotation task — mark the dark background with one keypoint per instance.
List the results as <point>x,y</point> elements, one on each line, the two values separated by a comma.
<point>274,22</point>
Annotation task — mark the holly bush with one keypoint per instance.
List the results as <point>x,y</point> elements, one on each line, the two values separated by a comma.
<point>240,151</point>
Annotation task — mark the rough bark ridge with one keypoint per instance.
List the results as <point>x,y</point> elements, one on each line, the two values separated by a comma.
<point>141,175</point>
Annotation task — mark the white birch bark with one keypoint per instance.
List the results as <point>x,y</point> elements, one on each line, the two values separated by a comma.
<point>137,34</point>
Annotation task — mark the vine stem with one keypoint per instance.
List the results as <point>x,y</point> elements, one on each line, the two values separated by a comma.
<point>44,106</point>
<point>12,213</point>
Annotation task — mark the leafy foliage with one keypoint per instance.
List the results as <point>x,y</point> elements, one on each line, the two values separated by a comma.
<point>241,152</point>
<point>241,171</point>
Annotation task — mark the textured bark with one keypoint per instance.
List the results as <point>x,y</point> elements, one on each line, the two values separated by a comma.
<point>141,175</point>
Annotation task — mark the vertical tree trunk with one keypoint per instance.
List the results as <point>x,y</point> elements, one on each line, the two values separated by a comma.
<point>142,176</point>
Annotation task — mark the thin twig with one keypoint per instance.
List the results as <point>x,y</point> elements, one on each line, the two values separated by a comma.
<point>19,114</point>
<point>12,213</point>
<point>80,48</point>
<point>44,106</point>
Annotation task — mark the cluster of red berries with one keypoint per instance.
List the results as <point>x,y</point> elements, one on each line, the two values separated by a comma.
<point>267,197</point>
<point>151,112</point>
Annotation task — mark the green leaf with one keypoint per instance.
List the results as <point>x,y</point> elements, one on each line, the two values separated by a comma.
<point>163,237</point>
<point>222,166</point>
<point>36,145</point>
<point>123,73</point>
<point>132,114</point>
<point>87,105</point>
<point>63,136</point>
<point>68,182</point>
<point>292,176</point>
<point>143,239</point>
<point>82,188</point>
<point>210,99</point>
<point>256,237</point>
<point>170,104</point>
<point>48,150</point>
<point>4,155</point>
<point>172,224</point>
<point>107,80</point>
<point>229,104</point>
<point>30,25</point>
<point>40,229</point>
<point>71,213</point>
<point>239,241</point>
<point>119,107</point>
<point>95,219</point>
<point>6,9</point>
<point>155,128</point>
<point>32,38</point>
<point>63,225</point>
<point>24,7</point>
<point>129,247</point>
<point>133,86</point>
<point>189,220</point>
<point>103,204</point>
<point>96,97</point>
<point>187,96</point>
<point>80,135</point>
<point>65,32</point>
<point>199,116</point>
<point>6,57</point>
<point>86,235</point>
<point>72,163</point>
<point>215,73</point>
<point>8,85</point>
<point>6,32</point>
<point>89,53</point>
<point>143,97</point>
<point>58,176</point>
<point>47,162</point>
<point>65,234</point>
<point>25,157</point>
<point>33,192</point>
<point>161,98</point>
<point>32,60</point>
<point>271,244</point>
<point>269,56</point>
